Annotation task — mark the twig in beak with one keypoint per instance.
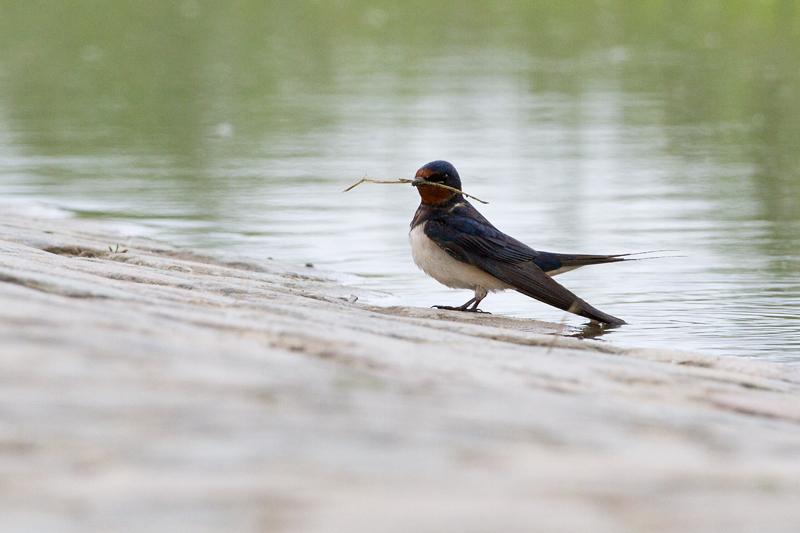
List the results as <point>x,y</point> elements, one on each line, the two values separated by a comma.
<point>415,183</point>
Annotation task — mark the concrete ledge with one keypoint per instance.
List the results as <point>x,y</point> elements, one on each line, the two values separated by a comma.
<point>159,390</point>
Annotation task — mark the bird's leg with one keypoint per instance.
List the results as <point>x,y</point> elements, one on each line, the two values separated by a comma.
<point>480,294</point>
<point>471,306</point>
<point>464,307</point>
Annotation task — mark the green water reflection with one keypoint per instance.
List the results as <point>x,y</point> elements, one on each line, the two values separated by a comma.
<point>202,112</point>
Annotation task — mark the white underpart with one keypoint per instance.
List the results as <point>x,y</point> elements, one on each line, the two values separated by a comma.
<point>438,264</point>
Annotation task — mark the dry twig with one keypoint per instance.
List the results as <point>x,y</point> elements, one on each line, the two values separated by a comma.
<point>415,182</point>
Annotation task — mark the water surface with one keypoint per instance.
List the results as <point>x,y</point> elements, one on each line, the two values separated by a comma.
<point>594,127</point>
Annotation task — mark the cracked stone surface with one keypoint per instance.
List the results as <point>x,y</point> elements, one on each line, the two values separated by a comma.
<point>148,388</point>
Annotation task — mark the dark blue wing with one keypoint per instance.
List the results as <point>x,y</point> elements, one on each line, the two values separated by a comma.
<point>475,241</point>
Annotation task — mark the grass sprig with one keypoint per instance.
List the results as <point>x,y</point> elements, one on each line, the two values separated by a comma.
<point>415,182</point>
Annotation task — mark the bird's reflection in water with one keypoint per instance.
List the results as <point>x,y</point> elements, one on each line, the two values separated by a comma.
<point>590,330</point>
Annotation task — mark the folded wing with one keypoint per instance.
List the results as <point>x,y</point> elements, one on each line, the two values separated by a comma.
<point>477,242</point>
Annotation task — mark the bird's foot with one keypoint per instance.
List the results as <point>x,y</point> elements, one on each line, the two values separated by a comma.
<point>464,308</point>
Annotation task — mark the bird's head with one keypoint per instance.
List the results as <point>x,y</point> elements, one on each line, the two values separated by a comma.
<point>436,172</point>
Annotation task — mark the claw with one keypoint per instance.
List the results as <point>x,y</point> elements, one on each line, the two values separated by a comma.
<point>448,308</point>
<point>461,308</point>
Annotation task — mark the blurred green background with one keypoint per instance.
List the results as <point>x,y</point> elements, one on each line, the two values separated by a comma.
<point>591,126</point>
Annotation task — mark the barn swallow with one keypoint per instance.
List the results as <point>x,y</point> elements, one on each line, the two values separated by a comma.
<point>455,245</point>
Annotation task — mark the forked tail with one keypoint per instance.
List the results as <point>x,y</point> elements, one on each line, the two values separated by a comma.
<point>572,261</point>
